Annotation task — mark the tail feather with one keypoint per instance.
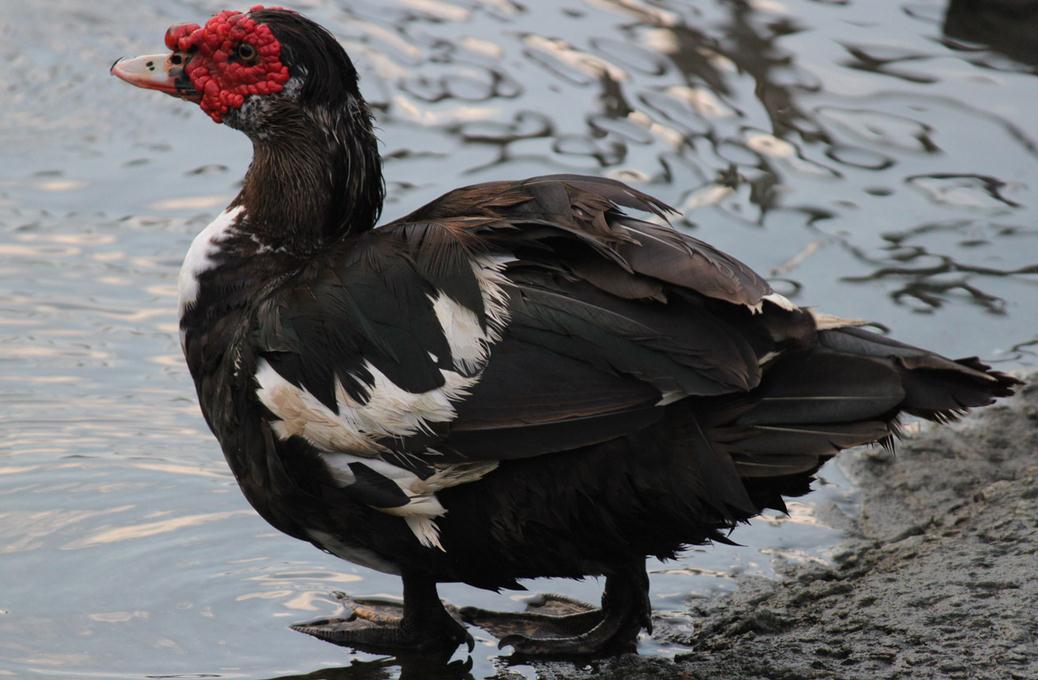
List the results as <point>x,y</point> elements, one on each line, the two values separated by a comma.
<point>774,466</point>
<point>847,391</point>
<point>803,439</point>
<point>936,388</point>
<point>824,387</point>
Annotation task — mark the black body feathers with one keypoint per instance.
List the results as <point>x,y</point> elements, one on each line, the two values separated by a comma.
<point>637,389</point>
<point>519,379</point>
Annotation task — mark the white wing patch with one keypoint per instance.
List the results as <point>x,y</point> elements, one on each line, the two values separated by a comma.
<point>200,255</point>
<point>489,271</point>
<point>469,343</point>
<point>389,412</point>
<point>767,358</point>
<point>824,322</point>
<point>423,507</point>
<point>671,396</point>
<point>352,434</point>
<point>780,301</point>
<point>776,299</point>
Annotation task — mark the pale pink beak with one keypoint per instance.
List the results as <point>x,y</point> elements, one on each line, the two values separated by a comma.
<point>162,72</point>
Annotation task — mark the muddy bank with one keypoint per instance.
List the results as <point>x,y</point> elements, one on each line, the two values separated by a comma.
<point>938,580</point>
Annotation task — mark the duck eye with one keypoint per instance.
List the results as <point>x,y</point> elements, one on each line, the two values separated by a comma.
<point>246,51</point>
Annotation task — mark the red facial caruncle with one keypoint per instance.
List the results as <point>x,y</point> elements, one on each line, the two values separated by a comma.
<point>231,57</point>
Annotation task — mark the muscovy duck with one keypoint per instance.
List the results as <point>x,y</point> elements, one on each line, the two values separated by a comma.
<point>517,380</point>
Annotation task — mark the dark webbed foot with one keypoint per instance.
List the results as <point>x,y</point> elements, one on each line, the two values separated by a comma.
<point>548,615</point>
<point>386,626</point>
<point>559,627</point>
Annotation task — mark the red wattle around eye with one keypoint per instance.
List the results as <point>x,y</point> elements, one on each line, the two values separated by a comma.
<point>222,82</point>
<point>176,32</point>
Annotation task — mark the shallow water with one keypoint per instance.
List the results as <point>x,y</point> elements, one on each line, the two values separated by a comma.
<point>876,159</point>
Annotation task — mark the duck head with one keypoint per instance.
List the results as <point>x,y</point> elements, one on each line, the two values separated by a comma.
<point>289,85</point>
<point>248,69</point>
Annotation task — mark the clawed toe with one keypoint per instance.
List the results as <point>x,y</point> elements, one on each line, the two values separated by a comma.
<point>517,642</point>
<point>383,612</point>
<point>345,632</point>
<point>380,625</point>
<point>377,636</point>
<point>557,605</point>
<point>530,634</point>
<point>546,616</point>
<point>592,643</point>
<point>554,626</point>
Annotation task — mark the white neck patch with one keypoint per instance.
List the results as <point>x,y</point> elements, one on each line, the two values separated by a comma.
<point>200,255</point>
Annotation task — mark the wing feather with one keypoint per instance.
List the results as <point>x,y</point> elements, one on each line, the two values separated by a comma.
<point>608,318</point>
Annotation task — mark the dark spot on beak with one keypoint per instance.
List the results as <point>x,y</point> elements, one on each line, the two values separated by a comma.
<point>150,65</point>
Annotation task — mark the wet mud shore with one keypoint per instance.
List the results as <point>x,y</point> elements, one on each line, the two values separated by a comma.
<point>939,578</point>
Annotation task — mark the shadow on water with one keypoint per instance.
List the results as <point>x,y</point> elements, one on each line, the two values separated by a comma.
<point>874,159</point>
<point>432,667</point>
<point>1007,27</point>
<point>418,667</point>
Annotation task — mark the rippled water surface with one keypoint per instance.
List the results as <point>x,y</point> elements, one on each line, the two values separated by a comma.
<point>876,159</point>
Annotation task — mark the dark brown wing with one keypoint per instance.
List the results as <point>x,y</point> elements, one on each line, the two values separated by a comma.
<point>556,214</point>
<point>608,317</point>
<point>551,320</point>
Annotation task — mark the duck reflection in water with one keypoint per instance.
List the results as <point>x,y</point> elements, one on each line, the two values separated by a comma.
<point>1006,26</point>
<point>431,666</point>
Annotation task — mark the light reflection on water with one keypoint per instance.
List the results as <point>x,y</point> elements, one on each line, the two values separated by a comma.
<point>876,159</point>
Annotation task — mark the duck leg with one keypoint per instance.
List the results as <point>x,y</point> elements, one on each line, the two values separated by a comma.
<point>613,628</point>
<point>422,624</point>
